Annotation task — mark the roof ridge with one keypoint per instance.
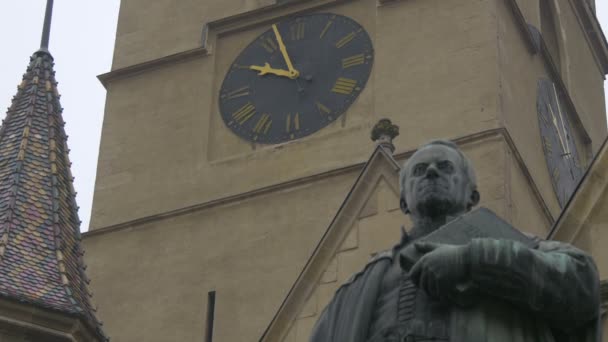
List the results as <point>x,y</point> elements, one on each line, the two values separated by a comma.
<point>52,158</point>
<point>21,154</point>
<point>72,287</point>
<point>20,89</point>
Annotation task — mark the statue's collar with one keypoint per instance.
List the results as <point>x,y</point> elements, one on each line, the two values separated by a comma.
<point>406,237</point>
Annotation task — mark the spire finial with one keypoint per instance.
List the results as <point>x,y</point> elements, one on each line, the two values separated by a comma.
<point>46,29</point>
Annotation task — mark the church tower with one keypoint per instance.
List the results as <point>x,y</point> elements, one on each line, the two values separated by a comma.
<point>44,293</point>
<point>235,131</point>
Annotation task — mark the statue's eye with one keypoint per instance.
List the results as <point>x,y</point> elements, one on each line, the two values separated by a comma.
<point>445,166</point>
<point>420,169</point>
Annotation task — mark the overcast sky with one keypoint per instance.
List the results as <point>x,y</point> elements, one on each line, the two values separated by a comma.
<point>82,43</point>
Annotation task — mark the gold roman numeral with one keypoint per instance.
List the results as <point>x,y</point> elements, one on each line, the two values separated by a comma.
<point>547,145</point>
<point>263,124</point>
<point>555,175</point>
<point>546,119</point>
<point>344,86</point>
<point>292,125</point>
<point>353,61</point>
<point>329,23</point>
<point>322,108</point>
<point>297,30</point>
<point>544,115</point>
<point>346,39</point>
<point>244,91</point>
<point>236,66</point>
<point>269,45</point>
<point>244,113</point>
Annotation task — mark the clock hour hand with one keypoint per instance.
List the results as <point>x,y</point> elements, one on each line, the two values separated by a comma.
<point>293,73</point>
<point>266,69</point>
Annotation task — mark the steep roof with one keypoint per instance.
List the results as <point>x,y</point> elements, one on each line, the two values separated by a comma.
<point>40,254</point>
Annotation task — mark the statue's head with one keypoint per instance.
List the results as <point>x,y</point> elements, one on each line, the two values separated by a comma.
<point>438,180</point>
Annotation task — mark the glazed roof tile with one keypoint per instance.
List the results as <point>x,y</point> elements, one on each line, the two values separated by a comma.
<point>40,254</point>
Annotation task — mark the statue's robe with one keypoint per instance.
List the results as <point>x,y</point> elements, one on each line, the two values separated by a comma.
<point>546,294</point>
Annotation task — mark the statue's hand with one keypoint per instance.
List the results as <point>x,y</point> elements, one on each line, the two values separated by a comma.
<point>443,270</point>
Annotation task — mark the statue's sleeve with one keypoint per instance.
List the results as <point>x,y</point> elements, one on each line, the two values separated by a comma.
<point>348,315</point>
<point>321,331</point>
<point>556,280</point>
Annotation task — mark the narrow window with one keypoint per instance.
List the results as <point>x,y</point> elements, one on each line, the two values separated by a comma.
<point>210,316</point>
<point>550,31</point>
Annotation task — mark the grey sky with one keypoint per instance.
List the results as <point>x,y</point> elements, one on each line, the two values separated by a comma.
<point>82,43</point>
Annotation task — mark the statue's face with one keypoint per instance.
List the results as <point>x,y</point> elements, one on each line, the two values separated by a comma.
<point>436,184</point>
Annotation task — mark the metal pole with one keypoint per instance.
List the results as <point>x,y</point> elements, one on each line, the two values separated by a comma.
<point>210,316</point>
<point>46,29</point>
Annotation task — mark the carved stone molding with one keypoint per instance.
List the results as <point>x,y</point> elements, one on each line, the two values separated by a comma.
<point>213,30</point>
<point>37,324</point>
<point>381,165</point>
<point>471,138</point>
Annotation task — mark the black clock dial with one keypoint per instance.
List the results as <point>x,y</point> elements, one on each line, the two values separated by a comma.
<point>264,99</point>
<point>558,144</point>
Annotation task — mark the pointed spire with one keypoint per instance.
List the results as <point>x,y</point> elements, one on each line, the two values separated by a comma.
<point>40,254</point>
<point>46,28</point>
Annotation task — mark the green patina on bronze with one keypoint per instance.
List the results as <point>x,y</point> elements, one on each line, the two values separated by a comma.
<point>462,275</point>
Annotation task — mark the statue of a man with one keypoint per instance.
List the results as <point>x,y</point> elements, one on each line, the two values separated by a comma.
<point>515,293</point>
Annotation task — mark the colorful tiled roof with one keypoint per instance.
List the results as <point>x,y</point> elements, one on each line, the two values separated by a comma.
<point>40,254</point>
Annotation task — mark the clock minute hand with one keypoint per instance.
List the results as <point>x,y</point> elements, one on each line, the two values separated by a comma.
<point>561,119</point>
<point>266,69</point>
<point>554,120</point>
<point>292,71</point>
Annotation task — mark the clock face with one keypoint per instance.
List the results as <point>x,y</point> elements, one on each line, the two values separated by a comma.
<point>558,144</point>
<point>296,78</point>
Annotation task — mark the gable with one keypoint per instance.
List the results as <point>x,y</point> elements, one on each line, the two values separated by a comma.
<point>368,221</point>
<point>584,220</point>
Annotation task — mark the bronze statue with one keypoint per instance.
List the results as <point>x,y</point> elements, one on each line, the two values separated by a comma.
<point>488,289</point>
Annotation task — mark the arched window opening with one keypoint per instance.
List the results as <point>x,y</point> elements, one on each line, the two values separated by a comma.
<point>549,31</point>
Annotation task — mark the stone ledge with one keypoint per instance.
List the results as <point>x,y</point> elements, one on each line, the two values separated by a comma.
<point>40,324</point>
<point>491,133</point>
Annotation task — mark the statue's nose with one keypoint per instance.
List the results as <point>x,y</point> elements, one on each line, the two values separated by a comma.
<point>431,172</point>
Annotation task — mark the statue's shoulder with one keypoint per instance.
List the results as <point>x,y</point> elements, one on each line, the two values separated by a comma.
<point>533,237</point>
<point>386,254</point>
<point>376,258</point>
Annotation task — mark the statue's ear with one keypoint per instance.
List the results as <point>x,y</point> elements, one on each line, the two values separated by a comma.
<point>403,206</point>
<point>474,200</point>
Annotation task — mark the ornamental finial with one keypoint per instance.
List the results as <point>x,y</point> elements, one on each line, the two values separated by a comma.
<point>384,132</point>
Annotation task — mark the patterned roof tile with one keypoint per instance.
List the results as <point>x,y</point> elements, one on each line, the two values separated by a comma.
<point>40,254</point>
